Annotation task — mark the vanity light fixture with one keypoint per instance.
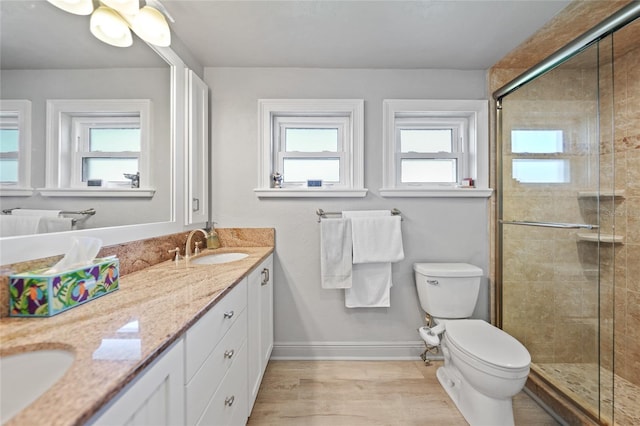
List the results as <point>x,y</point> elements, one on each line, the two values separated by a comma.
<point>112,21</point>
<point>109,27</point>
<point>77,7</point>
<point>151,26</point>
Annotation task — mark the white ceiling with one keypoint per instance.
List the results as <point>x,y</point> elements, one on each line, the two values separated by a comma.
<point>455,34</point>
<point>450,34</point>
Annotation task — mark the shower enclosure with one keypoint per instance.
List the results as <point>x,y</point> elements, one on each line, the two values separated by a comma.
<point>568,275</point>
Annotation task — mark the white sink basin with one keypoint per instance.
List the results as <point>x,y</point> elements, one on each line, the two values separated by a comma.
<point>27,375</point>
<point>214,259</point>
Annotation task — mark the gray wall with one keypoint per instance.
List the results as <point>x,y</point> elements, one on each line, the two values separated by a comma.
<point>114,83</point>
<point>310,321</point>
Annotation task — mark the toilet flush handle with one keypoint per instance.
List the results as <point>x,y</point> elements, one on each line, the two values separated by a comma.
<point>433,282</point>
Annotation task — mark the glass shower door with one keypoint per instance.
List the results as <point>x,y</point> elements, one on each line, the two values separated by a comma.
<point>551,235</point>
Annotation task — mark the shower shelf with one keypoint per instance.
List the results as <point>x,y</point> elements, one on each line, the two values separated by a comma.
<point>603,238</point>
<point>602,194</point>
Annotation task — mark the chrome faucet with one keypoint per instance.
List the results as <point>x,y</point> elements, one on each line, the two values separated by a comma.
<point>187,249</point>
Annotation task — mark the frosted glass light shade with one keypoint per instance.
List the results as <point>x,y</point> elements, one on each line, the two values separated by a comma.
<point>151,26</point>
<point>126,7</point>
<point>107,26</point>
<point>77,7</point>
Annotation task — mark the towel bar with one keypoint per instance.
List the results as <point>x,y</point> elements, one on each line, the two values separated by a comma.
<point>322,214</point>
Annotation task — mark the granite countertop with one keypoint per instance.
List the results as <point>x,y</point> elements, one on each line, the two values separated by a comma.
<point>157,304</point>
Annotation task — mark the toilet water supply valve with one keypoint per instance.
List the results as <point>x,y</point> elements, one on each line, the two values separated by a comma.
<point>431,335</point>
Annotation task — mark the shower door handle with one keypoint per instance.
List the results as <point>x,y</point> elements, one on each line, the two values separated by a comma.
<point>550,224</point>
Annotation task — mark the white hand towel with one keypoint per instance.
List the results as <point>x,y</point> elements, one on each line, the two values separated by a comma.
<point>55,224</point>
<point>371,286</point>
<point>376,239</point>
<point>11,225</point>
<point>32,212</point>
<point>335,253</point>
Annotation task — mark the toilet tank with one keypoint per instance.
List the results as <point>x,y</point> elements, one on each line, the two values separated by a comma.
<point>447,290</point>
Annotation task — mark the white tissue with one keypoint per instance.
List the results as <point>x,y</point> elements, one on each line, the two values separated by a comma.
<point>82,253</point>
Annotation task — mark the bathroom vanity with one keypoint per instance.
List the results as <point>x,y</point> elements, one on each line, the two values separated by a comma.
<point>178,343</point>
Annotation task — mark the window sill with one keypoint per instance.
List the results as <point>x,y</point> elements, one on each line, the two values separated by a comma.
<point>98,192</point>
<point>309,193</point>
<point>437,193</point>
<point>16,192</point>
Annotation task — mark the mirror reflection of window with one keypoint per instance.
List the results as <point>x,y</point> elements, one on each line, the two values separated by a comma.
<point>15,144</point>
<point>9,150</point>
<point>108,147</point>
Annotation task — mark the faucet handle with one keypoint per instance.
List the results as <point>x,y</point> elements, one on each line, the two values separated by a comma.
<point>177,252</point>
<point>197,250</point>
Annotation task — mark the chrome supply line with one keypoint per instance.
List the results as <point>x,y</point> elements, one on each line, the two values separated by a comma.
<point>550,224</point>
<point>322,214</point>
<point>606,27</point>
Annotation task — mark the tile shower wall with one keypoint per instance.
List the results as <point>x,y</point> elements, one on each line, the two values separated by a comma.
<point>627,211</point>
<point>549,276</point>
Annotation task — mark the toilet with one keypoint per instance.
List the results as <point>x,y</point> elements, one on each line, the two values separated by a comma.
<point>484,367</point>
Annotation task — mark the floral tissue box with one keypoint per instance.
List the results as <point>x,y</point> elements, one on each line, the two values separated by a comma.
<point>34,294</point>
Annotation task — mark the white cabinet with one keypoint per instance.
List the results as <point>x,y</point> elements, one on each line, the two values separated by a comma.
<point>212,375</point>
<point>155,398</point>
<point>197,150</point>
<point>260,326</point>
<point>216,363</point>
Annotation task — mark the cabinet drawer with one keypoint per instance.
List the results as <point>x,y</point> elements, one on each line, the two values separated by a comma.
<point>203,336</point>
<point>204,384</point>
<point>228,407</point>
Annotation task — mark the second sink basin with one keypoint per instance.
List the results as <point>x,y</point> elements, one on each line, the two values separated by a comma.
<point>213,259</point>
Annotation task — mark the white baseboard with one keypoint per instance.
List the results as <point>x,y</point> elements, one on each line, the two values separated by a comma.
<point>400,351</point>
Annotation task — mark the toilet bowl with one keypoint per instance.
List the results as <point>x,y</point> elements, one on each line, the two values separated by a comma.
<point>484,367</point>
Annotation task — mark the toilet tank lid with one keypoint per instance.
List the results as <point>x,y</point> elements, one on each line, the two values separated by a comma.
<point>447,269</point>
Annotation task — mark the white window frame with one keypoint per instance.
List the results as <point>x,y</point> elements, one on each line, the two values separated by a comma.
<point>21,108</point>
<point>81,128</point>
<point>273,114</point>
<point>458,142</point>
<point>282,123</point>
<point>471,117</point>
<point>61,149</point>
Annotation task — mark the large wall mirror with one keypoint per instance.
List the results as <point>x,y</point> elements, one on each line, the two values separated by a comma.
<point>48,54</point>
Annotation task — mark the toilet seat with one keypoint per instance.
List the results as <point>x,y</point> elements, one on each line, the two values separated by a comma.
<point>488,344</point>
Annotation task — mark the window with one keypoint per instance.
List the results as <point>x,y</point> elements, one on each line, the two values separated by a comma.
<point>15,147</point>
<point>540,156</point>
<point>98,140</point>
<point>319,140</point>
<point>431,146</point>
<point>428,151</point>
<point>107,148</point>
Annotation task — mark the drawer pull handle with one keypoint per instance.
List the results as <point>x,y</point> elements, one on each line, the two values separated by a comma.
<point>228,314</point>
<point>228,401</point>
<point>265,276</point>
<point>229,353</point>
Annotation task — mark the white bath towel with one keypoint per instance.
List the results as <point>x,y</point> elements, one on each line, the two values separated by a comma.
<point>32,212</point>
<point>335,253</point>
<point>371,282</point>
<point>11,225</point>
<point>376,239</point>
<point>371,286</point>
